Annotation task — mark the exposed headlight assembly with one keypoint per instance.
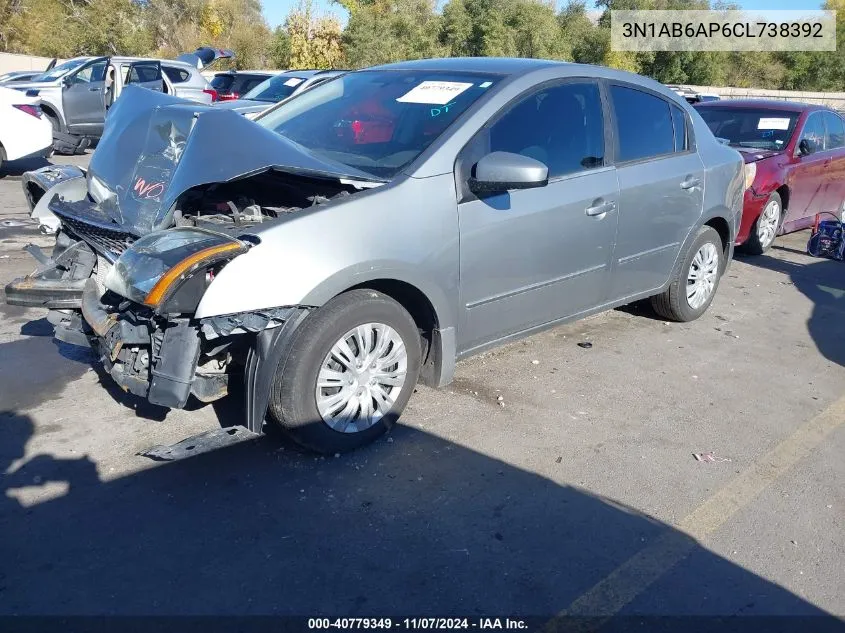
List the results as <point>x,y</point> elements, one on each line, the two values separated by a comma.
<point>750,174</point>
<point>168,270</point>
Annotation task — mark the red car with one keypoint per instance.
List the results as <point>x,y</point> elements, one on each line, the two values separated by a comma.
<point>794,163</point>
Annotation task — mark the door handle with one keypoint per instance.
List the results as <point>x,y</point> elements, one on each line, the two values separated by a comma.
<point>599,208</point>
<point>690,182</point>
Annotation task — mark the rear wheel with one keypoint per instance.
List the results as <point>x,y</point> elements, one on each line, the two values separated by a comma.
<point>766,226</point>
<point>351,370</point>
<point>695,279</point>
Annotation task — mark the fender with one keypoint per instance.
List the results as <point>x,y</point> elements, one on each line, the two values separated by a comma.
<point>717,212</point>
<point>67,181</point>
<point>218,301</point>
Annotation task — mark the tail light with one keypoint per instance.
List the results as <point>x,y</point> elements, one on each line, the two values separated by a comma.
<point>231,96</point>
<point>215,96</point>
<point>32,110</point>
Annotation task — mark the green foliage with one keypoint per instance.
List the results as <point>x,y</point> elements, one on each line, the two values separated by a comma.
<point>382,31</point>
<point>312,41</point>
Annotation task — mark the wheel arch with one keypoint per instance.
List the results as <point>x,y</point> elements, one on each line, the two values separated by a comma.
<point>50,110</point>
<point>425,302</point>
<point>716,218</point>
<point>784,193</point>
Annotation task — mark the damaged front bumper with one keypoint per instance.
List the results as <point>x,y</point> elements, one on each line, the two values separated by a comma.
<point>168,359</point>
<point>154,360</point>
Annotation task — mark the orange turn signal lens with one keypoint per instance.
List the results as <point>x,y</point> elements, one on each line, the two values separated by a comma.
<point>158,292</point>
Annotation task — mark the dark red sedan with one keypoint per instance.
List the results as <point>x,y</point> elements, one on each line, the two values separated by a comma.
<point>794,163</point>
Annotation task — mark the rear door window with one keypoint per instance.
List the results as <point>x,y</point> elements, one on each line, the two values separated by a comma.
<point>644,127</point>
<point>679,124</point>
<point>176,75</point>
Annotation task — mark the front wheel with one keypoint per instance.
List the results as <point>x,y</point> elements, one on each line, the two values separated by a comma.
<point>695,280</point>
<point>765,227</point>
<point>349,374</point>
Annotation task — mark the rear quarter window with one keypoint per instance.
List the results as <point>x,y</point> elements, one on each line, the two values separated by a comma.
<point>644,126</point>
<point>176,75</point>
<point>679,125</point>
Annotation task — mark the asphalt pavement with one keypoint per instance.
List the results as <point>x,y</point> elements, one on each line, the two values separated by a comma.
<point>550,478</point>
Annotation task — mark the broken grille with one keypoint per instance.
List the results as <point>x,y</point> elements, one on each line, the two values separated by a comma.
<point>110,242</point>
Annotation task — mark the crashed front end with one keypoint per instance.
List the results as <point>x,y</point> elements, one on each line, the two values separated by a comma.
<point>142,325</point>
<point>142,234</point>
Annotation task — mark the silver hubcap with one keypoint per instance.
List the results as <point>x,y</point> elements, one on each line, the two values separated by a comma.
<point>361,377</point>
<point>767,225</point>
<point>703,273</point>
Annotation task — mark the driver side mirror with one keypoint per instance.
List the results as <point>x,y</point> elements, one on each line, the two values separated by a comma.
<point>501,171</point>
<point>67,81</point>
<point>805,148</point>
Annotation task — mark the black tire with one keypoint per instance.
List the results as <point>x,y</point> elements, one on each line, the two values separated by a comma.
<point>293,402</point>
<point>673,304</point>
<point>56,129</point>
<point>2,159</point>
<point>754,246</point>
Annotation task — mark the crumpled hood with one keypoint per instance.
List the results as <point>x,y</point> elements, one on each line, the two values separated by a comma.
<point>155,147</point>
<point>752,155</point>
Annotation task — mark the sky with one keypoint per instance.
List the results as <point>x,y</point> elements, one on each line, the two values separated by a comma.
<point>276,10</point>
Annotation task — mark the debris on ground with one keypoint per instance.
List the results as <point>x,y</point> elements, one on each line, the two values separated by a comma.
<point>559,459</point>
<point>12,223</point>
<point>585,344</point>
<point>535,362</point>
<point>709,458</point>
<point>200,443</point>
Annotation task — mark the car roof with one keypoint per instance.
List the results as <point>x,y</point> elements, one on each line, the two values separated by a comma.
<point>761,104</point>
<point>300,73</point>
<point>497,65</point>
<point>267,73</point>
<point>168,62</point>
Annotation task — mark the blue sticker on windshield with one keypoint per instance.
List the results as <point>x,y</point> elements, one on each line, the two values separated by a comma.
<point>440,109</point>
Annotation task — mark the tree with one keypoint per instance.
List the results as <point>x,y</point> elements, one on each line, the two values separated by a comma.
<point>312,41</point>
<point>382,31</point>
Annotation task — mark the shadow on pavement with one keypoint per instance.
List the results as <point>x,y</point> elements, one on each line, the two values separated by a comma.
<point>418,526</point>
<point>822,281</point>
<point>16,168</point>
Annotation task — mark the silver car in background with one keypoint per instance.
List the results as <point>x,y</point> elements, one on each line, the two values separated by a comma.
<point>369,233</point>
<point>281,87</point>
<point>77,93</point>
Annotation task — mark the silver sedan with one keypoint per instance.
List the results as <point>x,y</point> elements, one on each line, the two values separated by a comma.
<point>370,232</point>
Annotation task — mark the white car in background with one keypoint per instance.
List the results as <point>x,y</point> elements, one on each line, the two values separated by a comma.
<point>24,130</point>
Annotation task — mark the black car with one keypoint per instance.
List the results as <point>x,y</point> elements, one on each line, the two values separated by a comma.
<point>231,84</point>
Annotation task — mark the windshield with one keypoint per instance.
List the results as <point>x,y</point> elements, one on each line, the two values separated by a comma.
<point>377,121</point>
<point>62,69</point>
<point>758,129</point>
<point>274,89</point>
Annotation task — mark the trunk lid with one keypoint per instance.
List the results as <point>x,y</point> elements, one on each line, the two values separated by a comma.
<point>205,56</point>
